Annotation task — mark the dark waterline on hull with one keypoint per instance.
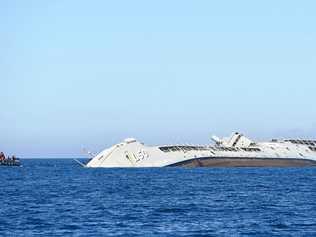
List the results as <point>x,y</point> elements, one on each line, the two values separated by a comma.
<point>244,162</point>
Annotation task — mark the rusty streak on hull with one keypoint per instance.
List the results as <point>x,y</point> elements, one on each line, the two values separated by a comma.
<point>244,162</point>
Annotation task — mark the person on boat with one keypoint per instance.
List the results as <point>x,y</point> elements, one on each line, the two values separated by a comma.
<point>13,158</point>
<point>2,156</point>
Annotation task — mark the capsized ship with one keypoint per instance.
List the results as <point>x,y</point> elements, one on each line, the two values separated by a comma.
<point>234,151</point>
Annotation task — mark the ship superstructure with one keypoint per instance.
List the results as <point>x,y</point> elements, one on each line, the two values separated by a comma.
<point>234,151</point>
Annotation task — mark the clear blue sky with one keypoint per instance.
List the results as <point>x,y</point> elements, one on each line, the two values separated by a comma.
<point>79,74</point>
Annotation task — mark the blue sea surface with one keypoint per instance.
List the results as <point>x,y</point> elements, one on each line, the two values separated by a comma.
<point>59,198</point>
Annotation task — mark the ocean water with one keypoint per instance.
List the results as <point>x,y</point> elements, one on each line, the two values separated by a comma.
<point>59,198</point>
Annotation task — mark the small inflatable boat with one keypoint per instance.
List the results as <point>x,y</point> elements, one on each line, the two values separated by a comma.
<point>10,162</point>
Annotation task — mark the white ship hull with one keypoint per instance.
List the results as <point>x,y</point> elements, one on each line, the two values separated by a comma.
<point>236,151</point>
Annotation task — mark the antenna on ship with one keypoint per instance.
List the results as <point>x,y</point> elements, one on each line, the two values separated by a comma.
<point>87,152</point>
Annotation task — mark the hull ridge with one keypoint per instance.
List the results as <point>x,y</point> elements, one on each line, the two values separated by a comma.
<point>244,162</point>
